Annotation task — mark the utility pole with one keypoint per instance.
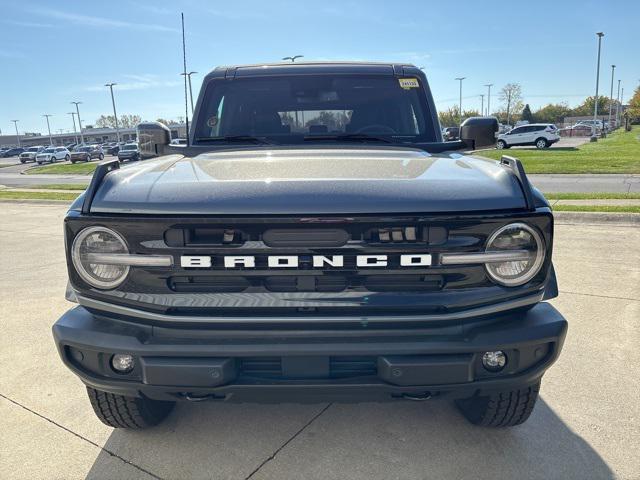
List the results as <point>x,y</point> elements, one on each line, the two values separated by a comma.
<point>460,79</point>
<point>594,137</point>
<point>113,102</point>
<point>489,85</point>
<point>293,59</point>
<point>79,121</point>
<point>49,128</point>
<point>73,117</point>
<point>621,103</point>
<point>613,67</point>
<point>15,124</point>
<point>190,90</point>
<point>482,104</point>
<point>618,105</point>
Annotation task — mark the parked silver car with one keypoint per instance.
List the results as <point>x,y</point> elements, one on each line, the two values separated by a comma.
<point>53,154</point>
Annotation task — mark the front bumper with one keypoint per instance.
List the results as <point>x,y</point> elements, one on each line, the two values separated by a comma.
<point>310,365</point>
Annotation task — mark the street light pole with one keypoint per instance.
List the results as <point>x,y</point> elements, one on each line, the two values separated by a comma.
<point>460,79</point>
<point>293,59</point>
<point>15,124</point>
<point>482,104</point>
<point>489,85</point>
<point>594,138</point>
<point>73,117</point>
<point>190,90</point>
<point>113,102</point>
<point>79,121</point>
<point>49,128</point>
<point>613,67</point>
<point>618,105</point>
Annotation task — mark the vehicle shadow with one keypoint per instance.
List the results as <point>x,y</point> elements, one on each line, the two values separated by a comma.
<point>568,149</point>
<point>365,441</point>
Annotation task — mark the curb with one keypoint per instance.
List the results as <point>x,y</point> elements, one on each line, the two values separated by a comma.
<point>36,201</point>
<point>597,218</point>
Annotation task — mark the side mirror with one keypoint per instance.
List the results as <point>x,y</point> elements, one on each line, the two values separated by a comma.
<point>478,132</point>
<point>153,137</point>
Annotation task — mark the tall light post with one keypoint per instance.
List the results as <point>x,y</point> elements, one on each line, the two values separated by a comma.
<point>73,117</point>
<point>613,67</point>
<point>190,90</point>
<point>594,138</point>
<point>489,85</point>
<point>482,104</point>
<point>618,105</point>
<point>293,59</point>
<point>460,79</point>
<point>113,103</point>
<point>79,121</point>
<point>15,124</point>
<point>621,102</point>
<point>49,127</point>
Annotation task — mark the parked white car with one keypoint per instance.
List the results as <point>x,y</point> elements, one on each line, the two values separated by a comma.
<point>542,135</point>
<point>53,154</point>
<point>29,155</point>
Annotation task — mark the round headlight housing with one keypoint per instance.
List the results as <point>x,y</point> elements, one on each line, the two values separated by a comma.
<point>94,241</point>
<point>526,244</point>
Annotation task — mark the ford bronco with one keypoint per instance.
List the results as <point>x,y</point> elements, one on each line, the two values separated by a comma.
<point>314,241</point>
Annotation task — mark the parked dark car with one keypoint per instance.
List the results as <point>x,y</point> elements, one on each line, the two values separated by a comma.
<point>12,152</point>
<point>87,153</point>
<point>112,149</point>
<point>129,151</point>
<point>349,256</point>
<point>451,133</point>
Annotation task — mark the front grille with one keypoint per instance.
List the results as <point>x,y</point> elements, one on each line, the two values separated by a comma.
<point>338,367</point>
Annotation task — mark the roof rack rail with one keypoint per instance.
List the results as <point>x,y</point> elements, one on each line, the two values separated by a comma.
<point>517,169</point>
<point>99,174</point>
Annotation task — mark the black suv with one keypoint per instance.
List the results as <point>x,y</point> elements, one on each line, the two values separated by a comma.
<point>315,240</point>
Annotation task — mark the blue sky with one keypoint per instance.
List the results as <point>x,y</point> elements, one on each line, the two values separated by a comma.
<point>53,52</point>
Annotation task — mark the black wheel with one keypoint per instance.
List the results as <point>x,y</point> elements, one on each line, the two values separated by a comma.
<point>501,409</point>
<point>87,158</point>
<point>501,144</point>
<point>67,158</point>
<point>101,157</point>
<point>73,161</point>
<point>23,161</point>
<point>118,411</point>
<point>542,143</point>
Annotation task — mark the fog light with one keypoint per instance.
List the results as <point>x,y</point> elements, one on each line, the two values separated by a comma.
<point>122,362</point>
<point>494,361</point>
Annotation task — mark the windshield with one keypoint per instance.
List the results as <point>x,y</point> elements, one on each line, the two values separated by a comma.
<point>129,147</point>
<point>83,149</point>
<point>48,150</point>
<point>290,109</point>
<point>33,149</point>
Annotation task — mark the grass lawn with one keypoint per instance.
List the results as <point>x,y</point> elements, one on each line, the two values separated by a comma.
<point>79,168</point>
<point>9,194</point>
<point>618,153</point>
<point>60,186</point>
<point>597,208</point>
<point>592,196</point>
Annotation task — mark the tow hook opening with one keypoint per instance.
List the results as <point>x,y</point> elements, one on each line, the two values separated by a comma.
<point>192,397</point>
<point>417,397</point>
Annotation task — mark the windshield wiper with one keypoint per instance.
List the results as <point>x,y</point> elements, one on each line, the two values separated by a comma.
<point>235,138</point>
<point>356,137</point>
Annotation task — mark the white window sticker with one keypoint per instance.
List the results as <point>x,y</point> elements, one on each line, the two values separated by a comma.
<point>409,83</point>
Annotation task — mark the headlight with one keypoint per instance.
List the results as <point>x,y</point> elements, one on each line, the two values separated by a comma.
<point>517,238</point>
<point>94,241</point>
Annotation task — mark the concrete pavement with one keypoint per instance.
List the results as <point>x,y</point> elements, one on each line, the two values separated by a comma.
<point>584,426</point>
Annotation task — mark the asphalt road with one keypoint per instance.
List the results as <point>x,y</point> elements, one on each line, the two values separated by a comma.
<point>585,426</point>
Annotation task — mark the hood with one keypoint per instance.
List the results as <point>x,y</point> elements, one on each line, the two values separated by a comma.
<point>309,181</point>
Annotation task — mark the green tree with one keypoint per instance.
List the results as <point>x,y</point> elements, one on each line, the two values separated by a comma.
<point>634,106</point>
<point>552,113</point>
<point>527,115</point>
<point>586,107</point>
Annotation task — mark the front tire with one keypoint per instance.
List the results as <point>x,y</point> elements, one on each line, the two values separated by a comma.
<point>500,409</point>
<point>136,413</point>
<point>101,157</point>
<point>501,144</point>
<point>541,143</point>
<point>67,158</point>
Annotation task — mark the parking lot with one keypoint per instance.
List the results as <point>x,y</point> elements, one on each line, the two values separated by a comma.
<point>586,424</point>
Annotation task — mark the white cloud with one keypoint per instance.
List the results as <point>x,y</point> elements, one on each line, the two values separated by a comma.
<point>20,23</point>
<point>139,82</point>
<point>99,22</point>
